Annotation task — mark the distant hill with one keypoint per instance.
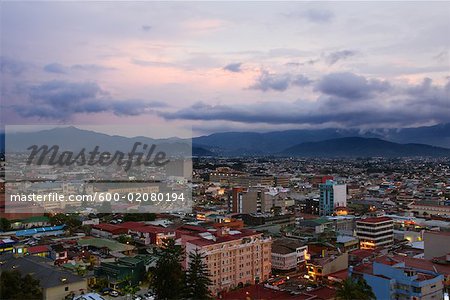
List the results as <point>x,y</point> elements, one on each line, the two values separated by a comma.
<point>253,143</point>
<point>75,139</point>
<point>234,143</point>
<point>362,147</point>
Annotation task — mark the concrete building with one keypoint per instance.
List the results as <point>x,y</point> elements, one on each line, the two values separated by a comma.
<point>54,282</point>
<point>392,279</point>
<point>287,254</point>
<point>375,232</point>
<point>257,200</point>
<point>322,265</point>
<point>332,195</point>
<point>234,258</point>
<point>436,243</point>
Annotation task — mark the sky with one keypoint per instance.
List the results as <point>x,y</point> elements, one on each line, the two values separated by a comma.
<point>203,67</point>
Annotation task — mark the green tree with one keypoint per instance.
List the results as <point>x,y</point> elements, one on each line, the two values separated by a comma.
<point>129,287</point>
<point>125,239</point>
<point>197,279</point>
<point>168,275</point>
<point>14,286</point>
<point>351,289</point>
<point>5,224</point>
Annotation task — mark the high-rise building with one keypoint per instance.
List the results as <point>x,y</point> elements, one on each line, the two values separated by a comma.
<point>332,195</point>
<point>375,232</point>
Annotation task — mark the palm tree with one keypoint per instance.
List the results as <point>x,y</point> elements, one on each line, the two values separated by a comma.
<point>351,289</point>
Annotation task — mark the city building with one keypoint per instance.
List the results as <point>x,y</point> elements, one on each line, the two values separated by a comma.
<point>392,279</point>
<point>54,282</point>
<point>287,254</point>
<point>234,258</point>
<point>332,195</point>
<point>319,266</point>
<point>375,232</point>
<point>347,243</point>
<point>125,268</point>
<point>152,234</point>
<point>257,200</point>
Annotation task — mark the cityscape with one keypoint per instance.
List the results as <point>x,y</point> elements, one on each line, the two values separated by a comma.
<point>225,150</point>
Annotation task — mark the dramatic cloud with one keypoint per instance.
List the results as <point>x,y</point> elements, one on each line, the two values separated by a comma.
<point>334,57</point>
<point>55,68</point>
<point>350,86</point>
<point>60,100</point>
<point>397,106</point>
<point>278,82</point>
<point>233,67</point>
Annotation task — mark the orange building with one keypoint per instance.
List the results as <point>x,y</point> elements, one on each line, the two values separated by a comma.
<point>234,258</point>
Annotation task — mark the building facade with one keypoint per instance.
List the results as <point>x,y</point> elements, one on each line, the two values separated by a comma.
<point>332,195</point>
<point>375,232</point>
<point>234,258</point>
<point>391,279</point>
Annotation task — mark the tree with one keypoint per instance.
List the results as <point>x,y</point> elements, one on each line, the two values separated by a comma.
<point>5,224</point>
<point>129,287</point>
<point>167,280</point>
<point>197,279</point>
<point>14,286</point>
<point>351,289</point>
<point>125,239</point>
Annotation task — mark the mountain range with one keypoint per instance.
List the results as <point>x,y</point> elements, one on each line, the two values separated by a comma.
<point>252,143</point>
<point>421,141</point>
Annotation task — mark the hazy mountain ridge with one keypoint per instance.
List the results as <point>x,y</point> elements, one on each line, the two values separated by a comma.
<point>289,142</point>
<point>251,143</point>
<point>363,147</point>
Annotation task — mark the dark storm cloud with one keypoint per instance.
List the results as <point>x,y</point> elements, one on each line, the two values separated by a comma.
<point>394,106</point>
<point>336,56</point>
<point>278,82</point>
<point>233,67</point>
<point>12,66</point>
<point>55,68</point>
<point>60,100</point>
<point>350,86</point>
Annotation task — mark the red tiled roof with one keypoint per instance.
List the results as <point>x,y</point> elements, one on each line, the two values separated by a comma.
<point>115,229</point>
<point>192,228</point>
<point>362,253</point>
<point>38,249</point>
<point>424,264</point>
<point>151,229</point>
<point>200,241</point>
<point>131,225</point>
<point>339,275</point>
<point>375,220</point>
